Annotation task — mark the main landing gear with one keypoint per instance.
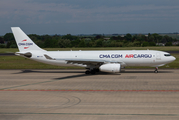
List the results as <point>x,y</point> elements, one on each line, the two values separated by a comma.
<point>92,71</point>
<point>156,70</point>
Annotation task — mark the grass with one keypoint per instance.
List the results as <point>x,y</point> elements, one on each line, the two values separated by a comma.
<point>161,48</point>
<point>16,62</point>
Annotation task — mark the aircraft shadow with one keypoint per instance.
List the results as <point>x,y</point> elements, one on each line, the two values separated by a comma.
<point>47,71</point>
<point>68,77</point>
<point>100,73</point>
<point>84,75</point>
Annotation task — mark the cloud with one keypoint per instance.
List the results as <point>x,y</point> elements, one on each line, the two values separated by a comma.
<point>32,12</point>
<point>54,11</point>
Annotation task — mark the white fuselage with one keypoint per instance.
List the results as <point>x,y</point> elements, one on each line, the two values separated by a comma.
<point>124,57</point>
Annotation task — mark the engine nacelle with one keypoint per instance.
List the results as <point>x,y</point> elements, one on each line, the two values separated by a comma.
<point>111,67</point>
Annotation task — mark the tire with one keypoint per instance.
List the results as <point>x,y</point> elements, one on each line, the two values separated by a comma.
<point>97,69</point>
<point>93,72</point>
<point>87,72</point>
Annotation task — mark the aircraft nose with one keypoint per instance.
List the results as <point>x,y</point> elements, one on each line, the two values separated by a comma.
<point>173,58</point>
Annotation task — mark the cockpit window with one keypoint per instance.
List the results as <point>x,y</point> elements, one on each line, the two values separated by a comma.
<point>167,55</point>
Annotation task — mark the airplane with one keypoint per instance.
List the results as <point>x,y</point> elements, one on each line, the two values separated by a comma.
<point>94,61</point>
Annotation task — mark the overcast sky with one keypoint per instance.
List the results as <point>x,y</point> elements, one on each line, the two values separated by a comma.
<point>89,16</point>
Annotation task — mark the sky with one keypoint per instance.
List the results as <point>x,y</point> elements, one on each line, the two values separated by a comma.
<point>89,16</point>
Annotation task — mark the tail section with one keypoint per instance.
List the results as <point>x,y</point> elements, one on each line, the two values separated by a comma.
<point>24,43</point>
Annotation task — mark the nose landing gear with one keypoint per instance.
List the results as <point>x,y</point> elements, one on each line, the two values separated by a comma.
<point>156,70</point>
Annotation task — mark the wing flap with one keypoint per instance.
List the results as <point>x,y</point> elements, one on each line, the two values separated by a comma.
<point>87,61</point>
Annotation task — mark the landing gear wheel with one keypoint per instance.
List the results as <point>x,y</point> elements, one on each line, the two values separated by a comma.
<point>97,69</point>
<point>156,70</point>
<point>87,72</point>
<point>93,72</point>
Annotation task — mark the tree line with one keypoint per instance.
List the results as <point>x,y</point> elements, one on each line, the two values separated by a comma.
<point>69,41</point>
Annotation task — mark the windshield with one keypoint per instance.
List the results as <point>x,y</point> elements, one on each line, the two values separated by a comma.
<point>167,55</point>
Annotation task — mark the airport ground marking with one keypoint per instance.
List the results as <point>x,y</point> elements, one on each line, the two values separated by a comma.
<point>89,114</point>
<point>25,85</point>
<point>53,80</point>
<point>69,90</point>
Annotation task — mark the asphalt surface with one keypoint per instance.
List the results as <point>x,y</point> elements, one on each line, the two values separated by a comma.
<point>70,94</point>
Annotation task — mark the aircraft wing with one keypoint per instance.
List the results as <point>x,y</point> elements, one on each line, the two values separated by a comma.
<point>87,61</point>
<point>83,61</point>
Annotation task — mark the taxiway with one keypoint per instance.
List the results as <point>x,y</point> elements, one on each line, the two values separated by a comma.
<point>71,94</point>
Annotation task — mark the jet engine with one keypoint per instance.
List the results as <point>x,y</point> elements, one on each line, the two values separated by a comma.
<point>111,67</point>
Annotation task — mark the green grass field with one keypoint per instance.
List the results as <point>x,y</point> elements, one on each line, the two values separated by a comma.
<point>161,48</point>
<point>16,62</point>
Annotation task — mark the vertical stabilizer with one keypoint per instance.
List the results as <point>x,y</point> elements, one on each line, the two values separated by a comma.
<point>24,43</point>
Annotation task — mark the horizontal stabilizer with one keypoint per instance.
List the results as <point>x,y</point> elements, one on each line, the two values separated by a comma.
<point>27,54</point>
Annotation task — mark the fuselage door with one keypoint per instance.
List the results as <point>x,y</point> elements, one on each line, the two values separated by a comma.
<point>158,56</point>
